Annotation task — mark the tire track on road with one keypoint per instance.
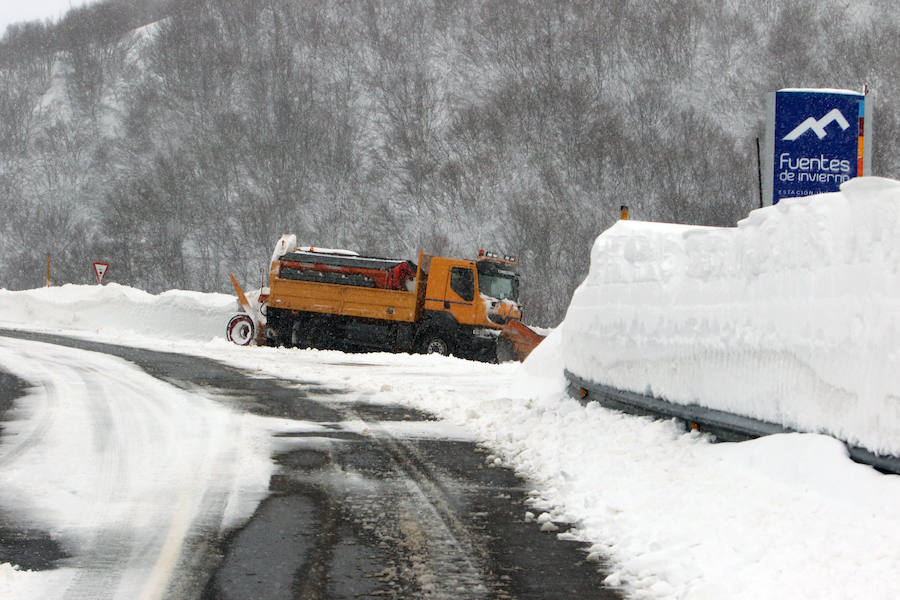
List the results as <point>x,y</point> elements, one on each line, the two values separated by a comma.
<point>151,466</point>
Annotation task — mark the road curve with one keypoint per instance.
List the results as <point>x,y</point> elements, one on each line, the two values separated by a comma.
<point>355,509</point>
<point>121,466</point>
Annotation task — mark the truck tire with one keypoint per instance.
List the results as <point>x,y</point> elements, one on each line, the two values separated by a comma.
<point>240,329</point>
<point>436,342</point>
<point>302,333</point>
<point>282,335</point>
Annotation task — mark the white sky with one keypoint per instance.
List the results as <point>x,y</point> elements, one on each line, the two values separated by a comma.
<point>14,11</point>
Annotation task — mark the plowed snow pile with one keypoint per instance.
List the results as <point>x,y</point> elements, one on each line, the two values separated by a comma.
<point>792,317</point>
<point>116,311</point>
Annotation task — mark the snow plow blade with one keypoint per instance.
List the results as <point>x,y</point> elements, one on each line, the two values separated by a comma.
<point>516,342</point>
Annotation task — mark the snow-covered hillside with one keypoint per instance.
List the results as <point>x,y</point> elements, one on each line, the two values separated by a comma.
<point>799,301</point>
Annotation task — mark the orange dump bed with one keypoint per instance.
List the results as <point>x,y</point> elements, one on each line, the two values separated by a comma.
<point>345,300</point>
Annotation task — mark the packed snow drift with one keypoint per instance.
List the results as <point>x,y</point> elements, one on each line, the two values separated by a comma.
<point>792,317</point>
<point>116,310</point>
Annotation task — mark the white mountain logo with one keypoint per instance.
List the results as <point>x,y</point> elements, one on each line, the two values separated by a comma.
<point>818,126</point>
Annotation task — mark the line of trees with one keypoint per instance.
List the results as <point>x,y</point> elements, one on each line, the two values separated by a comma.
<point>177,141</point>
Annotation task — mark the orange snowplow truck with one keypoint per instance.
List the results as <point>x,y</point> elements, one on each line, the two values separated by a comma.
<point>318,298</point>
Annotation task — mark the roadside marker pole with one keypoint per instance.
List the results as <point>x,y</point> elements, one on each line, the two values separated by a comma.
<point>48,270</point>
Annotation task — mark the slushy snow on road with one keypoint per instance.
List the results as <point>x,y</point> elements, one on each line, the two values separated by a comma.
<point>122,467</point>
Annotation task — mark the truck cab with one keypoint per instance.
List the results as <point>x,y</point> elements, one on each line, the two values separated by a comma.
<point>471,301</point>
<point>475,293</point>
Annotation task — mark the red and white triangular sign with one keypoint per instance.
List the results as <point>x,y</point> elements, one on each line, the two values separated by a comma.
<point>100,271</point>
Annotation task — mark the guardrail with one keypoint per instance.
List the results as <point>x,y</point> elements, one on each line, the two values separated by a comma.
<point>725,426</point>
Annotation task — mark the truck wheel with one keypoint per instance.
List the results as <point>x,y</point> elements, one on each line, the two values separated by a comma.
<point>300,334</point>
<point>282,338</point>
<point>240,329</point>
<point>436,343</point>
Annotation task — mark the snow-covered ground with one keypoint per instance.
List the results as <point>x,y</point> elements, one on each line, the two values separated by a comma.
<point>787,516</point>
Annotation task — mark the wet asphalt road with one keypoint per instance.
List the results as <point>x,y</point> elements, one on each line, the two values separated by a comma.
<point>349,515</point>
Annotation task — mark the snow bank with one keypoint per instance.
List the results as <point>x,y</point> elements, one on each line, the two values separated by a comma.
<point>18,583</point>
<point>792,317</point>
<point>119,310</point>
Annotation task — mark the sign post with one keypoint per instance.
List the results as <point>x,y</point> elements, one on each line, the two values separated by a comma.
<point>815,141</point>
<point>100,271</point>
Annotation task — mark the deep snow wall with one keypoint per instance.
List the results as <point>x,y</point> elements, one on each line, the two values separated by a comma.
<point>792,317</point>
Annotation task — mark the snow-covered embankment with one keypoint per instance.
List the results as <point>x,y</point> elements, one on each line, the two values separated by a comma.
<point>793,317</point>
<point>116,311</point>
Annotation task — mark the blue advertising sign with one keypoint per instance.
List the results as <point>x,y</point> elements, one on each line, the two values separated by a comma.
<point>815,141</point>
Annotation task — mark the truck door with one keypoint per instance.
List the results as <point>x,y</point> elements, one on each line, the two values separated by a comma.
<point>461,294</point>
<point>453,288</point>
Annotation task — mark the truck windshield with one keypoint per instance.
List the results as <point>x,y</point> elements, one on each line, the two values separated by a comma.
<point>497,283</point>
